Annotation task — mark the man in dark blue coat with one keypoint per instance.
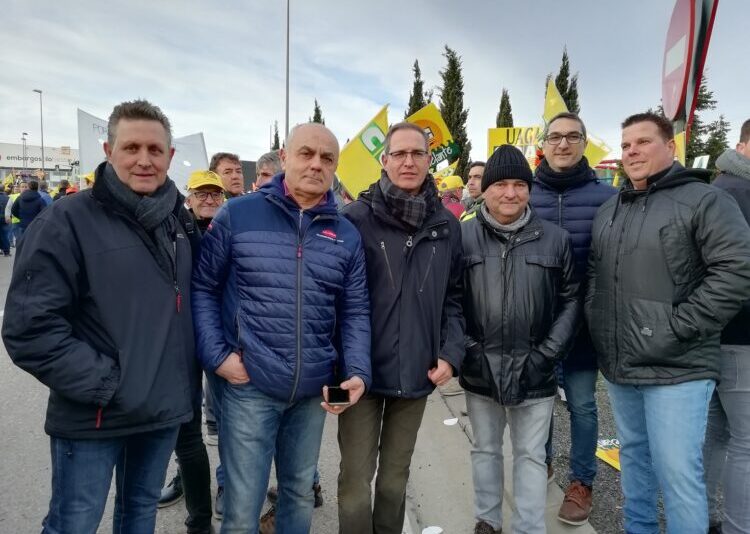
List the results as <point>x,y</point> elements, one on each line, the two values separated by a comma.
<point>281,311</point>
<point>567,193</point>
<point>28,205</point>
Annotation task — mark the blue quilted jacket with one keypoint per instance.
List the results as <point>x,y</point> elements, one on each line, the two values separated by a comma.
<point>574,208</point>
<point>284,287</point>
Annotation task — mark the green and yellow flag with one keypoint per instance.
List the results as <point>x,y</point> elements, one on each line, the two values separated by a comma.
<point>359,160</point>
<point>442,146</point>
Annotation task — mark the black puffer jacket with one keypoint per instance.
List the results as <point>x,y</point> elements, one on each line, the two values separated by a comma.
<point>522,308</point>
<point>92,315</point>
<point>415,295</point>
<point>669,267</point>
<point>28,205</point>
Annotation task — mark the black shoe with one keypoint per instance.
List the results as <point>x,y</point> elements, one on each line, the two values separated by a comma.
<point>172,492</point>
<point>318,495</point>
<point>219,503</point>
<point>714,529</point>
<point>273,495</point>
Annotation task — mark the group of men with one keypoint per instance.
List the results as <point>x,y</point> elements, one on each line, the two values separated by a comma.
<point>278,295</point>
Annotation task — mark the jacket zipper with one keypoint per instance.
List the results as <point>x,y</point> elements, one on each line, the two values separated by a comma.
<point>99,417</point>
<point>388,265</point>
<point>178,294</point>
<point>427,272</point>
<point>559,209</point>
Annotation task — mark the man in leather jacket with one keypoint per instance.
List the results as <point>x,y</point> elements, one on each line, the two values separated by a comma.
<point>521,304</point>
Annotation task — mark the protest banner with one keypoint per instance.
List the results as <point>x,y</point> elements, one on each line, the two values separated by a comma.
<point>359,160</point>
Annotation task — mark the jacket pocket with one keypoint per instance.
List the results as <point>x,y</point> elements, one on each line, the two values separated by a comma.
<point>648,338</point>
<point>474,369</point>
<point>549,262</point>
<point>684,267</point>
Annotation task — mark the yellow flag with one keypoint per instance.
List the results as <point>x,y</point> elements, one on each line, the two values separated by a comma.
<point>524,138</point>
<point>359,160</point>
<point>553,102</point>
<point>441,141</point>
<point>450,170</point>
<point>679,147</point>
<point>596,150</point>
<point>9,179</point>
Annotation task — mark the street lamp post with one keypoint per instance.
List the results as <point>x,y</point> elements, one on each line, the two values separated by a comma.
<point>23,144</point>
<point>286,122</point>
<point>41,125</point>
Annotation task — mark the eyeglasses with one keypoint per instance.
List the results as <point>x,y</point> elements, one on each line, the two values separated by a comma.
<point>416,155</point>
<point>573,138</point>
<point>203,195</point>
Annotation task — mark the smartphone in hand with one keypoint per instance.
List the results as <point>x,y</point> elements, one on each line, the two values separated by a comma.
<point>338,396</point>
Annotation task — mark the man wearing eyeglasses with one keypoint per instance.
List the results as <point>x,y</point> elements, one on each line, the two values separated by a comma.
<point>205,197</point>
<point>414,266</point>
<point>567,192</point>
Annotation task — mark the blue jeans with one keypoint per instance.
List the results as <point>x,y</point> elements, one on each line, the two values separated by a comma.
<point>529,425</point>
<point>254,427</point>
<point>82,474</point>
<point>580,389</point>
<point>214,392</point>
<point>728,440</point>
<point>661,431</point>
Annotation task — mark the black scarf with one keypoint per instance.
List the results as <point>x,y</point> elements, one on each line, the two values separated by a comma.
<point>154,213</point>
<point>560,181</point>
<point>409,210</point>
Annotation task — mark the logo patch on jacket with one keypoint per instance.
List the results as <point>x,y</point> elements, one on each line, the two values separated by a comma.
<point>330,235</point>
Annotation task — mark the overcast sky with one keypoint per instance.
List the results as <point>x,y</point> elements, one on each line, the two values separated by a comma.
<point>220,70</point>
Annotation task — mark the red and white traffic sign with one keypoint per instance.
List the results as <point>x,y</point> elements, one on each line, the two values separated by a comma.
<point>678,58</point>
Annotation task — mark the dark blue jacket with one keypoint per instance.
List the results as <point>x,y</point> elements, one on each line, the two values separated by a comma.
<point>28,205</point>
<point>284,287</point>
<point>573,208</point>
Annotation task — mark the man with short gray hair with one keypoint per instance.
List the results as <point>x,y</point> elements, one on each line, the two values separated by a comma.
<point>108,328</point>
<point>267,166</point>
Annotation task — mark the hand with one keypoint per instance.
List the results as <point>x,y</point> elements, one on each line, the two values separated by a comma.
<point>356,387</point>
<point>441,374</point>
<point>233,370</point>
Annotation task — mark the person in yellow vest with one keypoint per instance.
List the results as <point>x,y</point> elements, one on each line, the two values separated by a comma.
<point>10,220</point>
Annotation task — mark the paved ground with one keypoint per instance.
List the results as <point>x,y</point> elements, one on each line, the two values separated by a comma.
<point>439,492</point>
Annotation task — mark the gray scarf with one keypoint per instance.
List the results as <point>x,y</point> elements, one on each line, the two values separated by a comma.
<point>410,210</point>
<point>505,229</point>
<point>732,162</point>
<point>153,212</point>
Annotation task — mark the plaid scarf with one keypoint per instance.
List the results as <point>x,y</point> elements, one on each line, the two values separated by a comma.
<point>410,210</point>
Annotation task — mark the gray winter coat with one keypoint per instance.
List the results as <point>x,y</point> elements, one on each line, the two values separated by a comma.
<point>669,267</point>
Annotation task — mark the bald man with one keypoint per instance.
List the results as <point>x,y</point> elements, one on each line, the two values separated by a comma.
<point>280,277</point>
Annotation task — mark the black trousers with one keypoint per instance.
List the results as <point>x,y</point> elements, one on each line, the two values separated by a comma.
<point>196,474</point>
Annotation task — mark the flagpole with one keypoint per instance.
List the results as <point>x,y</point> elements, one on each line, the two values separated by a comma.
<point>286,129</point>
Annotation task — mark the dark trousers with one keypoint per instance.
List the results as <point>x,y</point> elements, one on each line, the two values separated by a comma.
<point>196,475</point>
<point>4,238</point>
<point>388,426</point>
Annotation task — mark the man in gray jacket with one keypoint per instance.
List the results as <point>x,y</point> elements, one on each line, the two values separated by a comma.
<point>728,431</point>
<point>669,267</point>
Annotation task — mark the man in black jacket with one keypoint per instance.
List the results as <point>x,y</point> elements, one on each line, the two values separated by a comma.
<point>107,327</point>
<point>728,430</point>
<point>522,306</point>
<point>669,267</point>
<point>413,252</point>
<point>27,206</point>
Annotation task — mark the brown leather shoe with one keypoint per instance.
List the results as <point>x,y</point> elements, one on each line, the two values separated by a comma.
<point>268,522</point>
<point>576,506</point>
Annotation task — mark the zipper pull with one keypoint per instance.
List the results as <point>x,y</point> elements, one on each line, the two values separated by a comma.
<point>99,417</point>
<point>409,241</point>
<point>299,250</point>
<point>178,297</point>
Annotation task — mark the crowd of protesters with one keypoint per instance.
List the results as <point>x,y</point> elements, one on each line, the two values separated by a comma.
<point>294,303</point>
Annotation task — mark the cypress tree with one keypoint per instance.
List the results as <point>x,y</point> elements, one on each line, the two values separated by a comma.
<point>417,95</point>
<point>452,106</point>
<point>505,114</point>
<point>317,114</point>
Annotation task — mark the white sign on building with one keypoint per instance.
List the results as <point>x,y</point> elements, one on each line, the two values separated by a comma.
<point>12,157</point>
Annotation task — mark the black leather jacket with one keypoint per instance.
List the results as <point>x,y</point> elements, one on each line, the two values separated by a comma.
<point>521,305</point>
<point>669,267</point>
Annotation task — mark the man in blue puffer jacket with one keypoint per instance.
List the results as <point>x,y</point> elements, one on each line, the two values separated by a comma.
<point>567,193</point>
<point>281,310</point>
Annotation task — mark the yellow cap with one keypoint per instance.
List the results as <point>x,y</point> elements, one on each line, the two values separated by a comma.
<point>451,182</point>
<point>202,178</point>
<point>90,177</point>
